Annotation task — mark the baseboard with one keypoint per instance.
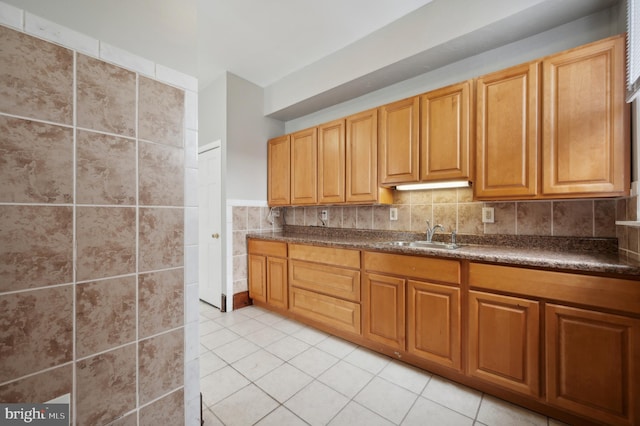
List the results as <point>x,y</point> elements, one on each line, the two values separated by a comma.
<point>240,300</point>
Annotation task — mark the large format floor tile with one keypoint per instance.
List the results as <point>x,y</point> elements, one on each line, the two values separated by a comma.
<point>260,368</point>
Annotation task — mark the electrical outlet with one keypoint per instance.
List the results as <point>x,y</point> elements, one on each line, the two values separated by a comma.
<point>393,213</point>
<point>488,215</point>
<point>323,214</point>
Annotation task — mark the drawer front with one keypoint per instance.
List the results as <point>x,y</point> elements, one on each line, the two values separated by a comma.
<point>327,310</point>
<point>426,268</point>
<point>267,248</point>
<point>329,280</point>
<point>327,255</point>
<point>611,293</point>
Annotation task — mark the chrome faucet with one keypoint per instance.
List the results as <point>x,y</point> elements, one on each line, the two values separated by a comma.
<point>431,231</point>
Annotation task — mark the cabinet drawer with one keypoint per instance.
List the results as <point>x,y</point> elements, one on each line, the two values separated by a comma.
<point>328,255</point>
<point>611,293</point>
<point>267,248</point>
<point>426,268</point>
<point>328,310</point>
<point>338,282</point>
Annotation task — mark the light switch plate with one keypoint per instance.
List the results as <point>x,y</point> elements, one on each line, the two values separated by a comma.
<point>393,213</point>
<point>488,215</point>
<point>323,214</point>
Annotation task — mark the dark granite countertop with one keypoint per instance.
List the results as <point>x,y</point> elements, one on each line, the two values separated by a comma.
<point>587,255</point>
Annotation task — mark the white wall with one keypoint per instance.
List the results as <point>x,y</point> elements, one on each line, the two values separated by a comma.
<point>585,30</point>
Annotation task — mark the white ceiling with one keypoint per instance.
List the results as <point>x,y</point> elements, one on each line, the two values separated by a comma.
<point>295,46</point>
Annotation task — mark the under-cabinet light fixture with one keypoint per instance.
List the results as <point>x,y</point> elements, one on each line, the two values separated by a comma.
<point>434,185</point>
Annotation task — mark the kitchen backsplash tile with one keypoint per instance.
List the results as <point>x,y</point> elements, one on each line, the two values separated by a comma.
<point>36,246</point>
<point>573,218</point>
<point>161,177</point>
<point>37,328</point>
<point>31,67</point>
<point>534,218</point>
<point>37,162</point>
<point>105,314</point>
<point>106,243</point>
<point>106,386</point>
<point>160,301</point>
<point>161,364</point>
<point>106,97</point>
<point>106,169</point>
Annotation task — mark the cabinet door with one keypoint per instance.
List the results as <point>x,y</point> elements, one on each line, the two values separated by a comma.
<point>507,133</point>
<point>592,364</point>
<point>504,342</point>
<point>384,310</point>
<point>398,144</point>
<point>277,292</point>
<point>278,171</point>
<point>304,167</point>
<point>362,157</point>
<point>433,323</point>
<point>331,162</point>
<point>258,277</point>
<point>585,135</point>
<point>445,133</point>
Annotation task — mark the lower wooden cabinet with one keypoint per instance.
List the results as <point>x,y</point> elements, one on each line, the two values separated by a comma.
<point>433,323</point>
<point>267,272</point>
<point>504,336</point>
<point>592,363</point>
<point>384,310</point>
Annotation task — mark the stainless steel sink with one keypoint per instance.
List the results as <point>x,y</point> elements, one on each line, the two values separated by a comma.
<point>424,244</point>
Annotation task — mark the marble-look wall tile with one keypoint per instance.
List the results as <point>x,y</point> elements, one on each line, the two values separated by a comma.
<point>349,217</point>
<point>161,364</point>
<point>605,218</point>
<point>534,218</point>
<point>632,208</point>
<point>161,237</point>
<point>106,386</point>
<point>621,209</point>
<point>36,162</point>
<point>633,240</point>
<point>444,196</point>
<point>239,219</point>
<point>36,328</point>
<point>420,214</point>
<point>106,169</point>
<point>364,217</point>
<point>239,243</point>
<point>168,410</point>
<point>298,218</point>
<point>621,234</point>
<point>240,285</point>
<point>105,315</point>
<point>106,243</point>
<point>465,195</point>
<point>402,197</point>
<point>505,219</point>
<point>445,215</point>
<point>40,387</point>
<point>404,218</point>
<point>335,216</point>
<point>160,113</point>
<point>128,420</point>
<point>160,301</point>
<point>311,216</point>
<point>381,217</point>
<point>573,218</point>
<point>161,175</point>
<point>36,246</point>
<point>239,267</point>
<point>106,97</point>
<point>418,197</point>
<point>470,218</point>
<point>31,67</point>
<point>254,218</point>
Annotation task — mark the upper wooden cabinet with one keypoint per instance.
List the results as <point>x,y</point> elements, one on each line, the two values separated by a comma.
<point>331,162</point>
<point>362,160</point>
<point>507,133</point>
<point>304,167</point>
<point>445,133</point>
<point>398,141</point>
<point>278,171</point>
<point>585,132</point>
<point>577,147</point>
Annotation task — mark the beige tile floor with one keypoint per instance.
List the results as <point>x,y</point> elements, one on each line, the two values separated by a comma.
<point>259,368</point>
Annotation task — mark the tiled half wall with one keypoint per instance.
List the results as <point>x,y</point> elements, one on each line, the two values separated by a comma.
<point>97,296</point>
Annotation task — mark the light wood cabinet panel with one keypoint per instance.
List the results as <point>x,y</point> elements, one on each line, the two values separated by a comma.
<point>504,341</point>
<point>330,280</point>
<point>337,313</point>
<point>433,323</point>
<point>277,292</point>
<point>592,364</point>
<point>399,156</point>
<point>258,277</point>
<point>507,133</point>
<point>445,133</point>
<point>362,159</point>
<point>585,135</point>
<point>331,162</point>
<point>304,167</point>
<point>426,268</point>
<point>278,171</point>
<point>384,310</point>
